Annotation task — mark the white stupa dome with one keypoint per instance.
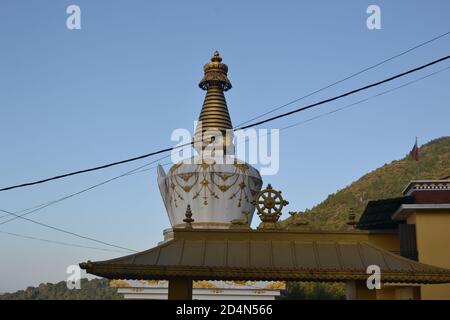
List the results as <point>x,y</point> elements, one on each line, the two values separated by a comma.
<point>216,191</point>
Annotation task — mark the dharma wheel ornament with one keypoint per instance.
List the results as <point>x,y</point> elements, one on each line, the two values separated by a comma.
<point>269,204</point>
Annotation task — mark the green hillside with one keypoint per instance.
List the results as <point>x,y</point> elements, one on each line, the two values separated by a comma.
<point>385,182</point>
<point>95,289</point>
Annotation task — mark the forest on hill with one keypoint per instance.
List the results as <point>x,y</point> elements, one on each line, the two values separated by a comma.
<point>387,181</point>
<point>95,289</point>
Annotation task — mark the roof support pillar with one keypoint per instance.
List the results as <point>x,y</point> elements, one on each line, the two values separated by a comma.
<point>350,290</point>
<point>180,289</point>
<point>364,293</point>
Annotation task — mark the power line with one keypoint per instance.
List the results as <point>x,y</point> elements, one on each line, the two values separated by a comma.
<point>344,94</point>
<point>345,79</point>
<point>240,128</point>
<point>45,205</point>
<point>363,100</point>
<point>68,232</point>
<point>94,168</point>
<point>58,242</point>
<point>357,102</point>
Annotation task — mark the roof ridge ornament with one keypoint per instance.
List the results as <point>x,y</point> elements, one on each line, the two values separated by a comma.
<point>297,221</point>
<point>351,219</point>
<point>188,218</point>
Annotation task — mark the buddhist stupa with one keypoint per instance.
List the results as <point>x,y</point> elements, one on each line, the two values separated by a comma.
<point>218,187</point>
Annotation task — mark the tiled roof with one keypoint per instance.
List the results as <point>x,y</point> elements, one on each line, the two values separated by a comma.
<point>377,214</point>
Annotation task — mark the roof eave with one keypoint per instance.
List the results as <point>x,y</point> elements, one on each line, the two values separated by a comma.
<point>143,272</point>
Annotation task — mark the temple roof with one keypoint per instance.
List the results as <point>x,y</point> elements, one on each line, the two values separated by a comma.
<point>378,214</point>
<point>266,255</point>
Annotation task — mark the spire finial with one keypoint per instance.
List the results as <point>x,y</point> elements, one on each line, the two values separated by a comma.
<point>215,74</point>
<point>216,57</point>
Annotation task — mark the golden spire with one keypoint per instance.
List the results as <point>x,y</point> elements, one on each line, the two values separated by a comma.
<point>214,114</point>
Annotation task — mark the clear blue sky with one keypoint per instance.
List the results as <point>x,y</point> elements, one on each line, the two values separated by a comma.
<point>120,85</point>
